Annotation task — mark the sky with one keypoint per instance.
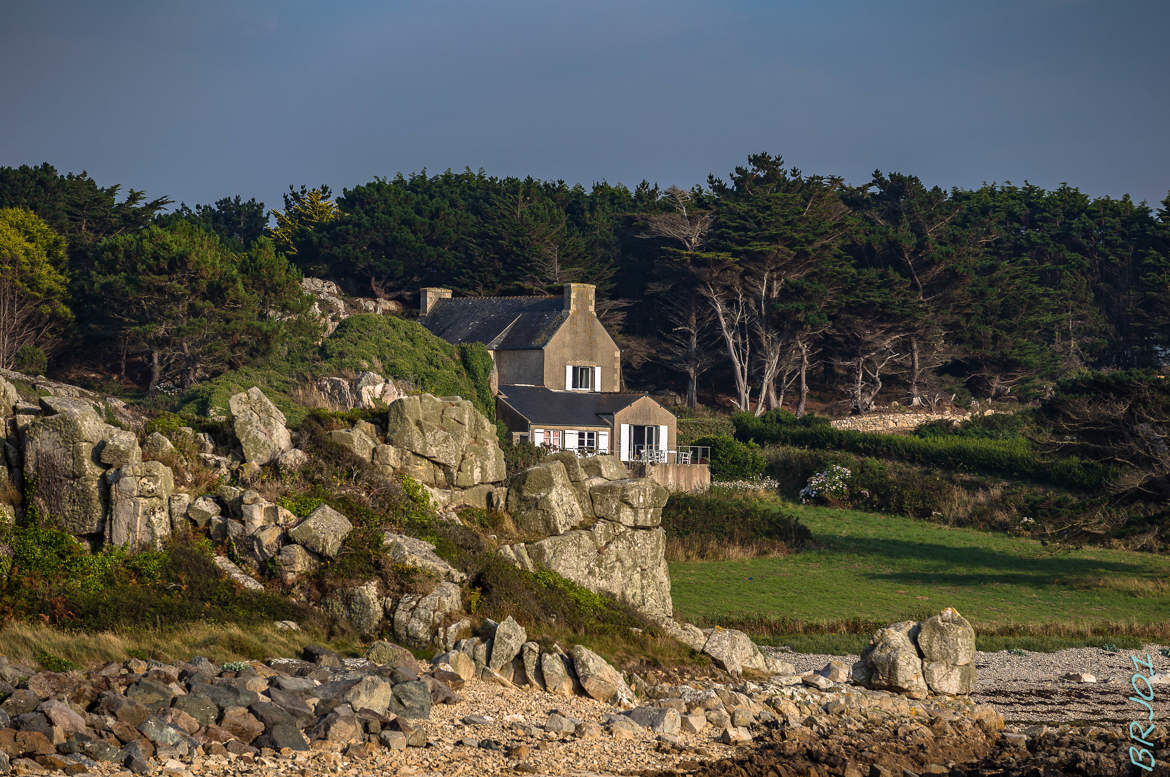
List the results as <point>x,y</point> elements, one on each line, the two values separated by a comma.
<point>200,100</point>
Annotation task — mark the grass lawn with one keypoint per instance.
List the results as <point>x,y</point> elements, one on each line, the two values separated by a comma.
<point>867,570</point>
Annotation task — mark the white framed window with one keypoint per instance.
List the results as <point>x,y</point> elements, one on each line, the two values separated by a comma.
<point>587,441</point>
<point>582,378</point>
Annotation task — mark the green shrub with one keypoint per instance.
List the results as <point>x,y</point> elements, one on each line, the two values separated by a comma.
<point>522,455</point>
<point>54,663</point>
<point>997,426</point>
<point>693,428</point>
<point>301,503</point>
<point>734,460</point>
<point>732,519</point>
<point>53,576</point>
<point>30,360</point>
<point>210,398</point>
<point>545,597</point>
<point>397,348</point>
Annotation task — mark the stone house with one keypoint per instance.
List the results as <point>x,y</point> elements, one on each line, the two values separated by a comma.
<point>557,373</point>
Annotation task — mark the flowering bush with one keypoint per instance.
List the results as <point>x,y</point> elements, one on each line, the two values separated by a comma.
<point>829,486</point>
<point>761,483</point>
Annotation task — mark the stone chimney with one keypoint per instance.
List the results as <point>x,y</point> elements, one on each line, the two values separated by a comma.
<point>429,296</point>
<point>580,297</point>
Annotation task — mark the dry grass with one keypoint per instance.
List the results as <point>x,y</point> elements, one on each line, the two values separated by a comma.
<point>1136,586</point>
<point>705,548</point>
<point>8,493</point>
<point>40,644</point>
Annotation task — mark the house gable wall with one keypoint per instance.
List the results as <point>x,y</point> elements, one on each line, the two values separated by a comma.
<point>647,412</point>
<point>582,341</point>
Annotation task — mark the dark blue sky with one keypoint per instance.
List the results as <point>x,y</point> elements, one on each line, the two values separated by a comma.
<point>199,100</point>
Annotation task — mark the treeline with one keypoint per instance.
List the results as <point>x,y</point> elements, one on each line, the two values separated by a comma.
<point>770,285</point>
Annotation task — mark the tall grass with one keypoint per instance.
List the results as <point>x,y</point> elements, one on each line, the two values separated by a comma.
<point>38,643</point>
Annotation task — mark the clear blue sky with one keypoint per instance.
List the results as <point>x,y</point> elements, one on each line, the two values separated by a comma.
<point>201,99</point>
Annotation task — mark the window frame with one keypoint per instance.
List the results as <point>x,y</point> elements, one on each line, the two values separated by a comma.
<point>582,371</point>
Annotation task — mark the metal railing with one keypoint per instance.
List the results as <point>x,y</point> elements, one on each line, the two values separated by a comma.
<point>646,454</point>
<point>687,454</point>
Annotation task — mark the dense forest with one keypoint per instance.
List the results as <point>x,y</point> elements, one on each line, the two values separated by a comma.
<point>763,288</point>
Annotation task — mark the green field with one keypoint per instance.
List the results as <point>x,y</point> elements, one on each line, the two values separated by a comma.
<point>868,569</point>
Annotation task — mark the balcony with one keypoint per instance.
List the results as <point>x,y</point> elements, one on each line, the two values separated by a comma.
<point>686,454</point>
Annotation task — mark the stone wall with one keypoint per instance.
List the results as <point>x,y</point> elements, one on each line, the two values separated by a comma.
<point>894,422</point>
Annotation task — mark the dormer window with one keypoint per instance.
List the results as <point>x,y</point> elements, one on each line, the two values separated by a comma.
<point>582,378</point>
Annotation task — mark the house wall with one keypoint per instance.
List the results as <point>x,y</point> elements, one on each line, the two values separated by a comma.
<point>610,443</point>
<point>515,423</point>
<point>647,412</point>
<point>674,477</point>
<point>522,368</point>
<point>582,341</point>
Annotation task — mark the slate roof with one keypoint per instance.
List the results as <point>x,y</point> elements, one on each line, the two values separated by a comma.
<point>500,323</point>
<point>542,405</point>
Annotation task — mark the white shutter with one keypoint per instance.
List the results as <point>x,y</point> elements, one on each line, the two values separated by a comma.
<point>603,442</point>
<point>538,437</point>
<point>568,377</point>
<point>570,439</point>
<point>662,437</point>
<point>624,451</point>
<point>597,379</point>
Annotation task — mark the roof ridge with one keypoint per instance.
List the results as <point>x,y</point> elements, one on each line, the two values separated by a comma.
<point>505,296</point>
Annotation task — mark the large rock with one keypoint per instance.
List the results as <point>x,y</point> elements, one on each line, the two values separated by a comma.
<point>354,440</point>
<point>322,531</point>
<point>120,449</point>
<point>607,467</point>
<point>628,564</point>
<point>9,396</point>
<point>947,644</point>
<point>734,651</point>
<point>372,390</point>
<point>360,606</point>
<point>445,442</point>
<point>600,680</point>
<point>140,505</point>
<point>543,501</point>
<point>556,669</point>
<point>507,640</point>
<point>420,619</point>
<point>420,554</point>
<point>636,503</point>
<point>596,526</point>
<point>293,562</point>
<point>259,426</point>
<point>61,460</point>
<point>936,655</point>
<point>891,661</point>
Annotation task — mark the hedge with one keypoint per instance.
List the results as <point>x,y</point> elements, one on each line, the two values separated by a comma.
<point>732,519</point>
<point>1011,457</point>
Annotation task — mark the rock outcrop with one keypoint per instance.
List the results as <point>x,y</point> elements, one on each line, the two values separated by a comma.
<point>368,390</point>
<point>915,659</point>
<point>594,525</point>
<point>436,617</point>
<point>140,505</point>
<point>62,457</point>
<point>332,306</point>
<point>259,426</point>
<point>445,443</point>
